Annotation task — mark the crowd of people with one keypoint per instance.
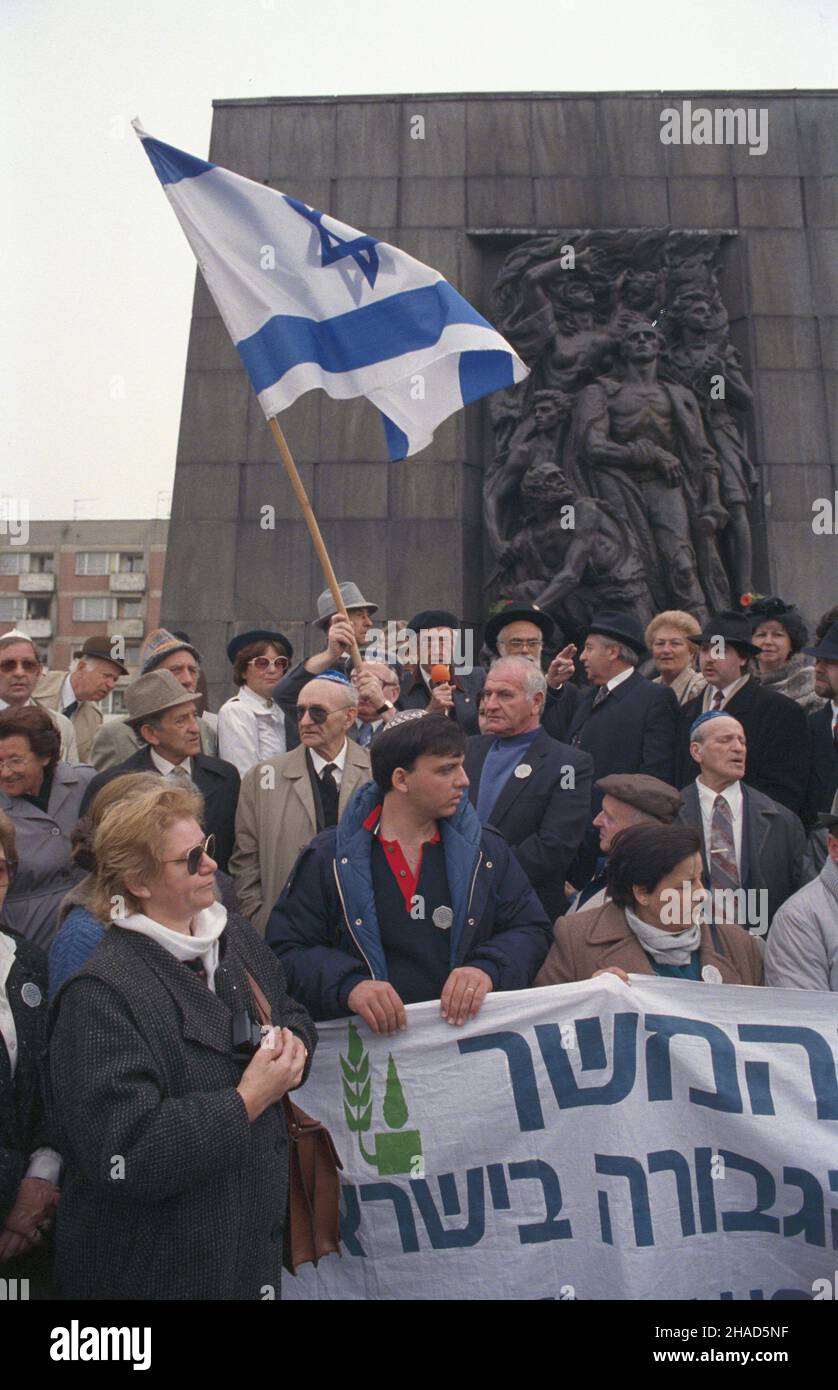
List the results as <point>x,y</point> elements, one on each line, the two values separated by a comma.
<point>345,839</point>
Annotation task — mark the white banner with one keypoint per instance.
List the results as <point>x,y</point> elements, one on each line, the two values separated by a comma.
<point>591,1141</point>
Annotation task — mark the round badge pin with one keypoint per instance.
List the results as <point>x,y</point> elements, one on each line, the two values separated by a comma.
<point>31,995</point>
<point>711,974</point>
<point>442,917</point>
<point>523,770</point>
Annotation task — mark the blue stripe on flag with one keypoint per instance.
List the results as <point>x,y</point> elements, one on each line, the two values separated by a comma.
<point>389,328</point>
<point>397,440</point>
<point>172,165</point>
<point>482,372</point>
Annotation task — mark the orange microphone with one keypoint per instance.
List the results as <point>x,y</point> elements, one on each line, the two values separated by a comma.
<point>441,675</point>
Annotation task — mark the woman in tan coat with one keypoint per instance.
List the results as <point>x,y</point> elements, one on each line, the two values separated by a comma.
<point>653,924</point>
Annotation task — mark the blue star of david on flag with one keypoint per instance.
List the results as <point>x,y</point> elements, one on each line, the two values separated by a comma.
<point>403,338</point>
<point>334,248</point>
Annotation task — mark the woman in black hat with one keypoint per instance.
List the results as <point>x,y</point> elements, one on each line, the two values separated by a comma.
<point>251,725</point>
<point>780,633</point>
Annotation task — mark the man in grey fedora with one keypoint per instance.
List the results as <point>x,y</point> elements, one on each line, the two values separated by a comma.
<point>336,655</point>
<point>162,651</point>
<point>165,716</point>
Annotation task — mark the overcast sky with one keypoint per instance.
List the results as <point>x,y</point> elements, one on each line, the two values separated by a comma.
<point>97,274</point>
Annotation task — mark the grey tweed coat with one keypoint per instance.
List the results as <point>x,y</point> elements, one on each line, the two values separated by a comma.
<point>169,1191</point>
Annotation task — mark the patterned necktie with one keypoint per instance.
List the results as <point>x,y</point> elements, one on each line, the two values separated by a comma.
<point>329,795</point>
<point>723,869</point>
<point>181,776</point>
<point>601,695</point>
<point>364,735</point>
<point>717,700</point>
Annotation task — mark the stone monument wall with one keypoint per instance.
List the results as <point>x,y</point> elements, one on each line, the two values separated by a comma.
<point>459,182</point>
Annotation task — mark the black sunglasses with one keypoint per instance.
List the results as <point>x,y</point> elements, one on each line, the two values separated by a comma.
<point>316,713</point>
<point>193,859</point>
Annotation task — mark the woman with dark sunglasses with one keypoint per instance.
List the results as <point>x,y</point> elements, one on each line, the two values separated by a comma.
<point>166,1099</point>
<point>29,1168</point>
<point>251,725</point>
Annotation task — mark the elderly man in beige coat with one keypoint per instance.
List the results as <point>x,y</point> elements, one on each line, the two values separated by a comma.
<point>285,800</point>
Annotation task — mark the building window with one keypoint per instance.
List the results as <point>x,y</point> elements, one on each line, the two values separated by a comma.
<point>96,562</point>
<point>132,654</point>
<point>12,608</point>
<point>38,608</point>
<point>93,610</point>
<point>12,562</point>
<point>131,564</point>
<point>114,702</point>
<point>129,608</point>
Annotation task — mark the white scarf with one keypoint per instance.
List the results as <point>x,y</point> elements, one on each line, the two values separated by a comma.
<point>202,943</point>
<point>665,947</point>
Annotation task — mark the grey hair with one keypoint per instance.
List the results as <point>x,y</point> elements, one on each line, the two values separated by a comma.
<point>626,654</point>
<point>535,681</point>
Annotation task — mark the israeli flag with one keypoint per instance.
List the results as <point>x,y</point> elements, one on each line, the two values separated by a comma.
<point>311,302</point>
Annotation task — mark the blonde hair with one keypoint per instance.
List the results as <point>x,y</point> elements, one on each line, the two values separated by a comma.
<point>128,844</point>
<point>673,617</point>
<point>128,786</point>
<point>7,838</point>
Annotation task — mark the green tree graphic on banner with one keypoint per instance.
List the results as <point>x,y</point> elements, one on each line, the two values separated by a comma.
<point>394,1152</point>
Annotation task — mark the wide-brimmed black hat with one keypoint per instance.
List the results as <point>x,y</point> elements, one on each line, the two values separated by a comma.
<point>733,628</point>
<point>517,613</point>
<point>259,634</point>
<point>432,617</point>
<point>827,648</point>
<point>622,627</point>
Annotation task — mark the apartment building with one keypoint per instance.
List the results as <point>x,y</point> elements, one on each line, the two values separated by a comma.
<point>72,579</point>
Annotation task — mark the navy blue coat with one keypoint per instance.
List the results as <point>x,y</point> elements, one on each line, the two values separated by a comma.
<point>324,928</point>
<point>559,709</point>
<point>633,730</point>
<point>777,761</point>
<point>823,765</point>
<point>542,819</point>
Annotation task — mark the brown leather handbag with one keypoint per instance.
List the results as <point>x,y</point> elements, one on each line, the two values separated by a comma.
<point>312,1227</point>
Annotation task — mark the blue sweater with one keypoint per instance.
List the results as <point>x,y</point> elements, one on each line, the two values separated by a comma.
<point>77,938</point>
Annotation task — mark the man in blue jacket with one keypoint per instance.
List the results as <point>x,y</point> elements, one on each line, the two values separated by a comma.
<point>409,898</point>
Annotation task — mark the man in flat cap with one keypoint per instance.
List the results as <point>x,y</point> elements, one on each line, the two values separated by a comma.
<point>802,951</point>
<point>162,650</point>
<point>76,693</point>
<point>165,716</point>
<point>752,847</point>
<point>627,799</point>
<point>438,683</point>
<point>775,726</point>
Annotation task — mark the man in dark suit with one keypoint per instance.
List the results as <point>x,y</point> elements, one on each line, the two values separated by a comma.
<point>533,789</point>
<point>625,722</point>
<point>823,729</point>
<point>166,717</point>
<point>775,726</point>
<point>434,630</point>
<point>748,841</point>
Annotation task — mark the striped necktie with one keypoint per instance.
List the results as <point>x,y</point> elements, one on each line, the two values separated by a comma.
<point>724,872</point>
<point>717,700</point>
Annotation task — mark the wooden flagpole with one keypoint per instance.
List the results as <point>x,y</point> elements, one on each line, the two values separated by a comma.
<point>314,529</point>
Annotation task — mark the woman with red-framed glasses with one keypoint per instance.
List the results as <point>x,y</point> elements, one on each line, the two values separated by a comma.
<point>29,1167</point>
<point>251,725</point>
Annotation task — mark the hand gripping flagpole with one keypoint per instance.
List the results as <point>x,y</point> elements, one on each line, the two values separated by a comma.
<point>314,530</point>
